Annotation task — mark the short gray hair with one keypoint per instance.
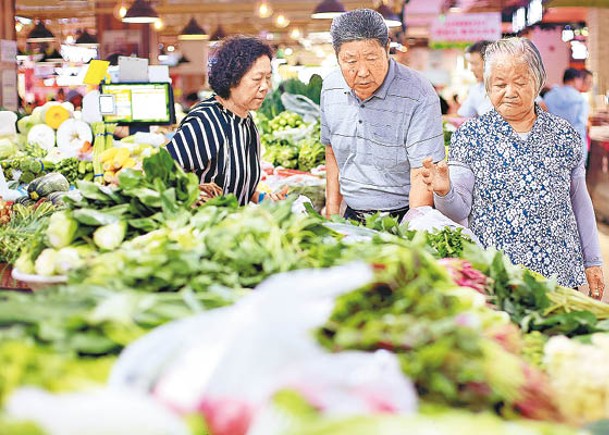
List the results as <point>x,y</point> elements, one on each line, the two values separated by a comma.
<point>358,25</point>
<point>521,50</point>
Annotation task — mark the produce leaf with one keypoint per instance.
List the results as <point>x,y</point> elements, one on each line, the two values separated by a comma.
<point>92,191</point>
<point>91,217</point>
<point>160,165</point>
<point>148,197</point>
<point>130,178</point>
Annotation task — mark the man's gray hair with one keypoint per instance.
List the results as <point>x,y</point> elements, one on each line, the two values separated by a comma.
<point>358,25</point>
<point>520,50</point>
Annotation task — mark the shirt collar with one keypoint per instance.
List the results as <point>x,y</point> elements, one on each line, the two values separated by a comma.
<point>382,91</point>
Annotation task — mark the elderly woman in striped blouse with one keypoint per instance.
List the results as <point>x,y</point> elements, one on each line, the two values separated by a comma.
<point>517,174</point>
<point>218,139</point>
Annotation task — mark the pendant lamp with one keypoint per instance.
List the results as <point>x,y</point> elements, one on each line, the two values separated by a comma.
<point>219,34</point>
<point>53,57</point>
<point>193,32</point>
<point>328,9</point>
<point>141,12</point>
<point>85,39</point>
<point>40,34</point>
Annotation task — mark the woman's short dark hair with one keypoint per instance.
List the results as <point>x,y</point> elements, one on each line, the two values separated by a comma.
<point>232,60</point>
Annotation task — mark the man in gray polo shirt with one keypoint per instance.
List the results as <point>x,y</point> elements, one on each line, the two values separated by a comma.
<point>379,121</point>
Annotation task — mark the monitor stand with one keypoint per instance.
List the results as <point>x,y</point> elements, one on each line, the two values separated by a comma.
<point>138,129</point>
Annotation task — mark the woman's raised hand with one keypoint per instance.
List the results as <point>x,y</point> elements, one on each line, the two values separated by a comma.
<point>435,176</point>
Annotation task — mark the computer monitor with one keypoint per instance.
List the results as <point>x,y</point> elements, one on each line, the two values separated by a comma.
<point>137,104</point>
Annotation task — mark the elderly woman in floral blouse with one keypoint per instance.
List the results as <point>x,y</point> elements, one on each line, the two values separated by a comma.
<point>517,174</point>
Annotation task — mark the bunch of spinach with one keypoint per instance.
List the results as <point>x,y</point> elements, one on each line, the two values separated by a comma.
<point>221,244</point>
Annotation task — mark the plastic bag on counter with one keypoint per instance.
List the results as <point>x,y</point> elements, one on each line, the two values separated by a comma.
<point>340,385</point>
<point>230,357</point>
<point>429,219</point>
<point>105,411</point>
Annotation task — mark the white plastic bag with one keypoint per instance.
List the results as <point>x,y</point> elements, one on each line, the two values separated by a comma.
<point>429,219</point>
<point>224,363</point>
<point>340,385</point>
<point>98,412</point>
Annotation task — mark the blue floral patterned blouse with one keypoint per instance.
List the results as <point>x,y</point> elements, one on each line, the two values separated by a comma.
<point>521,198</point>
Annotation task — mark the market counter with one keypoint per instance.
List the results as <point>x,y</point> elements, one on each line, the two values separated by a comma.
<point>598,171</point>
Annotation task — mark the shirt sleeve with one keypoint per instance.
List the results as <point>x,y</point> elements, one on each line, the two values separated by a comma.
<point>457,203</point>
<point>584,215</point>
<point>192,144</point>
<point>425,137</point>
<point>325,129</point>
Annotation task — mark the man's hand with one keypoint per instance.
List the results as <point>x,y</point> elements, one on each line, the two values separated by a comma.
<point>596,282</point>
<point>436,176</point>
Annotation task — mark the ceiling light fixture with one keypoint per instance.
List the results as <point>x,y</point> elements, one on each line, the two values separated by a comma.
<point>391,18</point>
<point>264,9</point>
<point>40,34</point>
<point>282,21</point>
<point>328,9</point>
<point>219,34</point>
<point>296,33</point>
<point>141,12</point>
<point>193,32</point>
<point>53,57</point>
<point>159,25</point>
<point>86,40</point>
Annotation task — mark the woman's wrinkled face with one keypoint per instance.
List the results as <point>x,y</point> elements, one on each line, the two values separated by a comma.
<point>254,85</point>
<point>364,65</point>
<point>512,89</point>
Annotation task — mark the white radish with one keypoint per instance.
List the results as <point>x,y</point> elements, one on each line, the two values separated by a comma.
<point>41,135</point>
<point>72,135</point>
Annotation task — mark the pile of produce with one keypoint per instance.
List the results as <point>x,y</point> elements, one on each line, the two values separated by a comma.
<point>67,338</point>
<point>272,105</point>
<point>18,225</point>
<point>441,334</point>
<point>579,373</point>
<point>290,143</point>
<point>104,216</point>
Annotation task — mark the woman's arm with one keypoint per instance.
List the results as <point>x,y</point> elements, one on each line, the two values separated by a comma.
<point>588,233</point>
<point>452,193</point>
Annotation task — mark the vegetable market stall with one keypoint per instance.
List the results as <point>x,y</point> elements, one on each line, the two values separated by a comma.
<point>440,334</point>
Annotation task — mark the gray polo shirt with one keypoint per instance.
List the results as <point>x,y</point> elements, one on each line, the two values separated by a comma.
<point>378,140</point>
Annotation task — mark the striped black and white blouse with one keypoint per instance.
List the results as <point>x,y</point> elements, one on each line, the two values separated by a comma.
<point>220,147</point>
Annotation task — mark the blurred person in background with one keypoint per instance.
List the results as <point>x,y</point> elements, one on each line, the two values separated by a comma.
<point>74,97</point>
<point>567,102</point>
<point>190,99</point>
<point>379,119</point>
<point>517,174</point>
<point>218,139</point>
<point>585,84</point>
<point>477,102</point>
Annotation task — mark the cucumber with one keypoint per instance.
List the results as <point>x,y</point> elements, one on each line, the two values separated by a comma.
<point>47,184</point>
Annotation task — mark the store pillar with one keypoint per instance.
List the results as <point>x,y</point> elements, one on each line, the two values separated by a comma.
<point>598,35</point>
<point>8,51</point>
